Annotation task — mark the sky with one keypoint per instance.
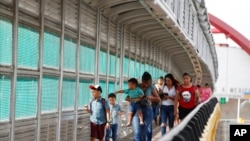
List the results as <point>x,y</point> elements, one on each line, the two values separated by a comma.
<point>236,13</point>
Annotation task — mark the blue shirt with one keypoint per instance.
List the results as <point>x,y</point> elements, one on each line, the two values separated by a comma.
<point>149,90</point>
<point>98,115</point>
<point>114,111</point>
<point>135,93</point>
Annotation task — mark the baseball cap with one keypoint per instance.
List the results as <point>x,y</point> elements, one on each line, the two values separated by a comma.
<point>95,87</point>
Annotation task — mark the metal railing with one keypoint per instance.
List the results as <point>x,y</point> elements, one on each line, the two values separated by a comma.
<point>193,126</point>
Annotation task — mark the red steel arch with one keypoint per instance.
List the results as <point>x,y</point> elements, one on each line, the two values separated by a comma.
<point>230,32</point>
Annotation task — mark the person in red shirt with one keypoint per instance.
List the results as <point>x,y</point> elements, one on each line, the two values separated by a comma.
<point>187,97</point>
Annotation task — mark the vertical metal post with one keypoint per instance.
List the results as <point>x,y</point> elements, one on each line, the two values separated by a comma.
<point>39,101</point>
<point>77,71</point>
<point>140,56</point>
<point>14,64</point>
<point>108,56</point>
<point>129,54</point>
<point>122,55</point>
<point>97,51</point>
<point>61,71</point>
<point>135,57</point>
<point>238,110</point>
<point>169,63</point>
<point>116,57</point>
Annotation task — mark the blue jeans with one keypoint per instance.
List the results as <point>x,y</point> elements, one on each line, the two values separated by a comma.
<point>112,130</point>
<point>167,112</point>
<point>134,107</point>
<point>156,110</point>
<point>143,132</point>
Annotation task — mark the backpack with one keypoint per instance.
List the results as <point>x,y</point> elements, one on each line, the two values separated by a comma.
<point>103,106</point>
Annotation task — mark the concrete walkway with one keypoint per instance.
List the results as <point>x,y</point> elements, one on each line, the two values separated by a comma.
<point>156,135</point>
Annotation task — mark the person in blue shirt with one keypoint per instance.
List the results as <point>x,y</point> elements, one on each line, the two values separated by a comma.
<point>100,114</point>
<point>135,94</point>
<point>115,110</point>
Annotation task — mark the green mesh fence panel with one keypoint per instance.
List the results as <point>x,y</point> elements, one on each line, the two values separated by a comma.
<point>125,86</point>
<point>103,62</point>
<point>146,67</point>
<point>132,68</point>
<point>103,85</point>
<point>69,58</point>
<point>118,67</point>
<point>5,42</point>
<point>112,65</point>
<point>49,94</point>
<point>26,97</point>
<point>5,90</point>
<point>51,50</point>
<point>142,68</point>
<point>85,94</point>
<point>111,87</point>
<point>87,59</point>
<point>137,70</point>
<point>68,94</point>
<point>125,66</point>
<point>27,47</point>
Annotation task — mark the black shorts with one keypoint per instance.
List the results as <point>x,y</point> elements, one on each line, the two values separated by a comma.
<point>183,112</point>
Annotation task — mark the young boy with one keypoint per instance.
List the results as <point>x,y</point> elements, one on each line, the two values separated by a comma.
<point>135,93</point>
<point>115,109</point>
<point>100,114</point>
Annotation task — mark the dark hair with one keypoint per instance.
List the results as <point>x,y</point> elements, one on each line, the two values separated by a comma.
<point>112,95</point>
<point>170,76</point>
<point>161,77</point>
<point>133,81</point>
<point>198,86</point>
<point>187,74</point>
<point>206,84</point>
<point>146,76</point>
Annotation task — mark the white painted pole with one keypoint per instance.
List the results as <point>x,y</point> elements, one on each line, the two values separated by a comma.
<point>238,111</point>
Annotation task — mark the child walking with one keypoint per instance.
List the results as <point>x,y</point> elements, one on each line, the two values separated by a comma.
<point>115,110</point>
<point>135,94</point>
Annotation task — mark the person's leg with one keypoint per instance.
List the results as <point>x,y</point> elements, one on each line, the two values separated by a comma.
<point>101,131</point>
<point>108,133</point>
<point>93,133</point>
<point>130,114</point>
<point>147,127</point>
<point>137,108</point>
<point>136,128</point>
<point>114,132</point>
<point>171,117</point>
<point>163,115</point>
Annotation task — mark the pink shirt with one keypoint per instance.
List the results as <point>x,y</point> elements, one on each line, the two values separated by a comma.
<point>205,94</point>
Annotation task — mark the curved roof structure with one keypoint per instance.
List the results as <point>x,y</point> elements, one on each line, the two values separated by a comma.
<point>223,27</point>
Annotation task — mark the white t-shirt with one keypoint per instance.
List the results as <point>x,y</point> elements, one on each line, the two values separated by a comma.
<point>158,87</point>
<point>171,92</point>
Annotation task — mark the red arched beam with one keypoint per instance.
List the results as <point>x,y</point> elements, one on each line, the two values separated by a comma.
<point>215,30</point>
<point>242,41</point>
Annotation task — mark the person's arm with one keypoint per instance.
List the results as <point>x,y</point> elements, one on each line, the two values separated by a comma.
<point>120,110</point>
<point>176,101</point>
<point>155,97</point>
<point>86,108</point>
<point>107,114</point>
<point>171,97</point>
<point>197,96</point>
<point>119,92</point>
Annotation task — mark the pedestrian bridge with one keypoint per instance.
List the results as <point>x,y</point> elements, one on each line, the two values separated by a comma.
<point>52,50</point>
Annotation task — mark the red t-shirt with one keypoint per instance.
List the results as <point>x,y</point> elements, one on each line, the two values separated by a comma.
<point>187,97</point>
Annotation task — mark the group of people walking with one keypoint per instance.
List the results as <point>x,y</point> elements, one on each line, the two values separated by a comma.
<point>167,100</point>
